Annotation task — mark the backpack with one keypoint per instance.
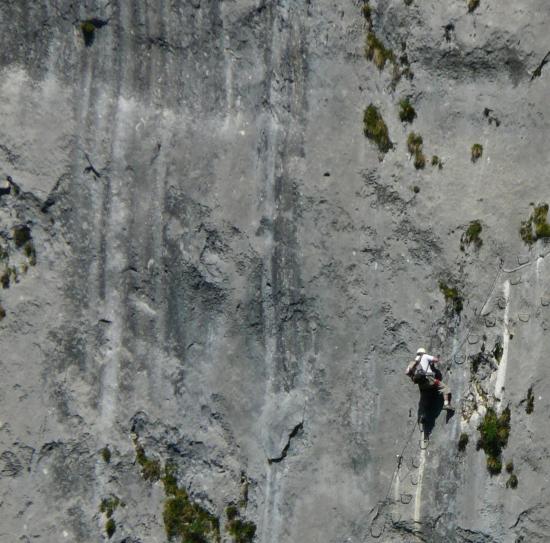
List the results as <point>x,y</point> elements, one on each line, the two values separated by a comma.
<point>419,376</point>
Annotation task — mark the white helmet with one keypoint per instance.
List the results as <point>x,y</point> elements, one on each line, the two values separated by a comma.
<point>421,351</point>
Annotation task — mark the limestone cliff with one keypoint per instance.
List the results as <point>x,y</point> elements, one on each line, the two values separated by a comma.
<point>226,227</point>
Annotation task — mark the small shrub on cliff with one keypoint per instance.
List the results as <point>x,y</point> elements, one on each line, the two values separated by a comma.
<point>414,145</point>
<point>110,527</point>
<point>150,469</point>
<point>477,151</point>
<point>473,5</point>
<point>536,227</point>
<point>512,481</point>
<point>377,52</point>
<point>494,431</point>
<point>407,113</point>
<point>375,128</point>
<point>472,235</point>
<point>463,442</point>
<point>183,518</point>
<point>242,531</point>
<point>452,297</point>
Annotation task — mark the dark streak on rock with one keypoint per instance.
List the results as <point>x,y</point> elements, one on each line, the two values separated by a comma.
<point>284,452</point>
<point>538,71</point>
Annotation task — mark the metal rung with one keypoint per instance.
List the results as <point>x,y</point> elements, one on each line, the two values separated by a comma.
<point>523,259</point>
<point>524,317</point>
<point>516,280</point>
<point>406,498</point>
<point>490,322</point>
<point>473,339</point>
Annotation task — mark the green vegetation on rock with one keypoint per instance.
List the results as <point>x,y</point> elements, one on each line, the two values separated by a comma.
<point>536,227</point>
<point>375,128</point>
<point>377,52</point>
<point>241,530</point>
<point>472,235</point>
<point>436,161</point>
<point>150,469</point>
<point>477,151</point>
<point>407,113</point>
<point>110,527</point>
<point>463,442</point>
<point>414,145</point>
<point>109,505</point>
<point>494,431</point>
<point>472,5</point>
<point>512,481</point>
<point>183,518</point>
<point>106,454</point>
<point>452,297</point>
<point>21,235</point>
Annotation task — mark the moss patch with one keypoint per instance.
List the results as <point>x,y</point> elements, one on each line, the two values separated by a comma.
<point>477,152</point>
<point>375,128</point>
<point>242,531</point>
<point>536,227</point>
<point>150,469</point>
<point>452,297</point>
<point>183,518</point>
<point>110,527</point>
<point>494,431</point>
<point>106,454</point>
<point>414,145</point>
<point>512,481</point>
<point>472,236</point>
<point>109,505</point>
<point>407,113</point>
<point>436,161</point>
<point>21,235</point>
<point>377,52</point>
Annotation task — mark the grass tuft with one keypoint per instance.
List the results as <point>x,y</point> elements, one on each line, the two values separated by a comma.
<point>375,129</point>
<point>150,469</point>
<point>183,518</point>
<point>407,113</point>
<point>472,235</point>
<point>536,227</point>
<point>106,454</point>
<point>377,52</point>
<point>512,481</point>
<point>452,297</point>
<point>494,432</point>
<point>477,151</point>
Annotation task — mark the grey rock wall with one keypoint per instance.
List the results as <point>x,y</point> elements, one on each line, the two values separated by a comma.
<point>227,273</point>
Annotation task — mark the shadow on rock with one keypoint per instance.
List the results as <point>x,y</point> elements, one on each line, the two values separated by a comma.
<point>430,406</point>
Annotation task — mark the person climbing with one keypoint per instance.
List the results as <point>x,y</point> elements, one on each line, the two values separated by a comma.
<point>423,371</point>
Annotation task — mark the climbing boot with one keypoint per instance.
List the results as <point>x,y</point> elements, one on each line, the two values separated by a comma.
<point>448,407</point>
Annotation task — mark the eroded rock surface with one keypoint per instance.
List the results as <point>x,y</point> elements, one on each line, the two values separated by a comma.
<point>206,265</point>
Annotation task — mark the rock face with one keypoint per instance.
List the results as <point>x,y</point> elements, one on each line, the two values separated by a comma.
<point>208,266</point>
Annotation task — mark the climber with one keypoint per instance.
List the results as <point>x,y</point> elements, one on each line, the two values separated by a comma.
<point>425,374</point>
